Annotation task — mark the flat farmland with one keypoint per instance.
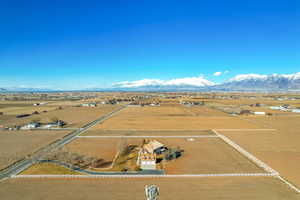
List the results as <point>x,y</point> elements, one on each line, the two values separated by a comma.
<point>204,111</point>
<point>201,156</point>
<point>213,188</point>
<point>17,109</point>
<point>268,110</point>
<point>269,102</point>
<point>16,145</point>
<point>147,132</point>
<point>48,168</point>
<point>104,148</point>
<point>170,117</point>
<point>279,149</point>
<point>75,116</point>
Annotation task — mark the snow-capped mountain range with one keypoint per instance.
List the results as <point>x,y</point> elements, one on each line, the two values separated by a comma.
<point>264,82</point>
<point>242,82</point>
<point>181,82</point>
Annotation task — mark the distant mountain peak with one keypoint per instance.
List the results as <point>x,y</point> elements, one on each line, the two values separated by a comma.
<point>263,82</point>
<point>180,82</point>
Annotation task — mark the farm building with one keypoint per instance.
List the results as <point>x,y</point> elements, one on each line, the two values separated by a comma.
<point>31,126</point>
<point>146,160</point>
<point>89,105</point>
<point>154,146</point>
<point>259,113</point>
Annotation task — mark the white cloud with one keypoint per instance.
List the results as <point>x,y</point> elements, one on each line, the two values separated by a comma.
<point>217,73</point>
<point>190,81</point>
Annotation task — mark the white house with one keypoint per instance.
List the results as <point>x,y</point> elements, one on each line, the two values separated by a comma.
<point>31,126</point>
<point>146,161</point>
<point>259,113</point>
<point>296,111</point>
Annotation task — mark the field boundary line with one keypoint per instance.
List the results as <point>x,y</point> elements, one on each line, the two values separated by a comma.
<point>149,176</point>
<point>256,161</point>
<point>149,136</point>
<point>180,130</point>
<point>262,129</point>
<point>289,184</point>
<point>248,155</point>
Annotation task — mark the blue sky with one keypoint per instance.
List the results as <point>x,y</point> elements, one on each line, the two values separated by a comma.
<point>94,43</point>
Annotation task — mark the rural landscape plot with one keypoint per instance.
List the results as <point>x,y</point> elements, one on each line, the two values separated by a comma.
<point>173,117</point>
<point>280,148</point>
<point>17,145</point>
<point>217,188</point>
<point>201,155</point>
<point>112,151</point>
<point>75,117</point>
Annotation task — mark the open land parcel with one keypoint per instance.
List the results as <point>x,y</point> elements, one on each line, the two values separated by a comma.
<point>201,156</point>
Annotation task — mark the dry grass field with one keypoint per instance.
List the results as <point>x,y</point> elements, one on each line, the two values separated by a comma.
<point>105,148</point>
<point>16,145</point>
<point>75,116</point>
<point>217,188</point>
<point>147,132</point>
<point>49,169</point>
<point>269,102</point>
<point>280,149</point>
<point>203,111</point>
<point>16,110</point>
<point>201,156</point>
<point>173,116</point>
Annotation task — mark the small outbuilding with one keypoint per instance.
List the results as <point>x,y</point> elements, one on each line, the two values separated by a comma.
<point>153,146</point>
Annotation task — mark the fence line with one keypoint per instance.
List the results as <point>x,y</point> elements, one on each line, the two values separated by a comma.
<point>257,161</point>
<point>146,176</point>
<point>149,136</point>
<point>247,154</point>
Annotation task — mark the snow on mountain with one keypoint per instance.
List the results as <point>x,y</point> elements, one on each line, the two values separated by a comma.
<point>189,81</point>
<point>263,82</point>
<point>243,77</point>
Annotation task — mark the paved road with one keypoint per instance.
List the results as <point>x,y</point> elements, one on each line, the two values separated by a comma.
<point>28,161</point>
<point>88,172</point>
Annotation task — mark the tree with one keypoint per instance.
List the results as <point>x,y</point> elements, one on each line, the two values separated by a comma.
<point>122,147</point>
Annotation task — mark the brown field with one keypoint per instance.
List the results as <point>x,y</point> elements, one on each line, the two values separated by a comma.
<point>16,145</point>
<point>279,149</point>
<point>268,110</point>
<point>49,169</point>
<point>147,132</point>
<point>217,188</point>
<point>16,110</point>
<point>268,102</point>
<point>203,111</point>
<point>104,148</point>
<point>202,156</point>
<point>171,117</point>
<point>74,116</point>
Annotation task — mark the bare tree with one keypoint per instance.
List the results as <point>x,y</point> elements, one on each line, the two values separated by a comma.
<point>122,147</point>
